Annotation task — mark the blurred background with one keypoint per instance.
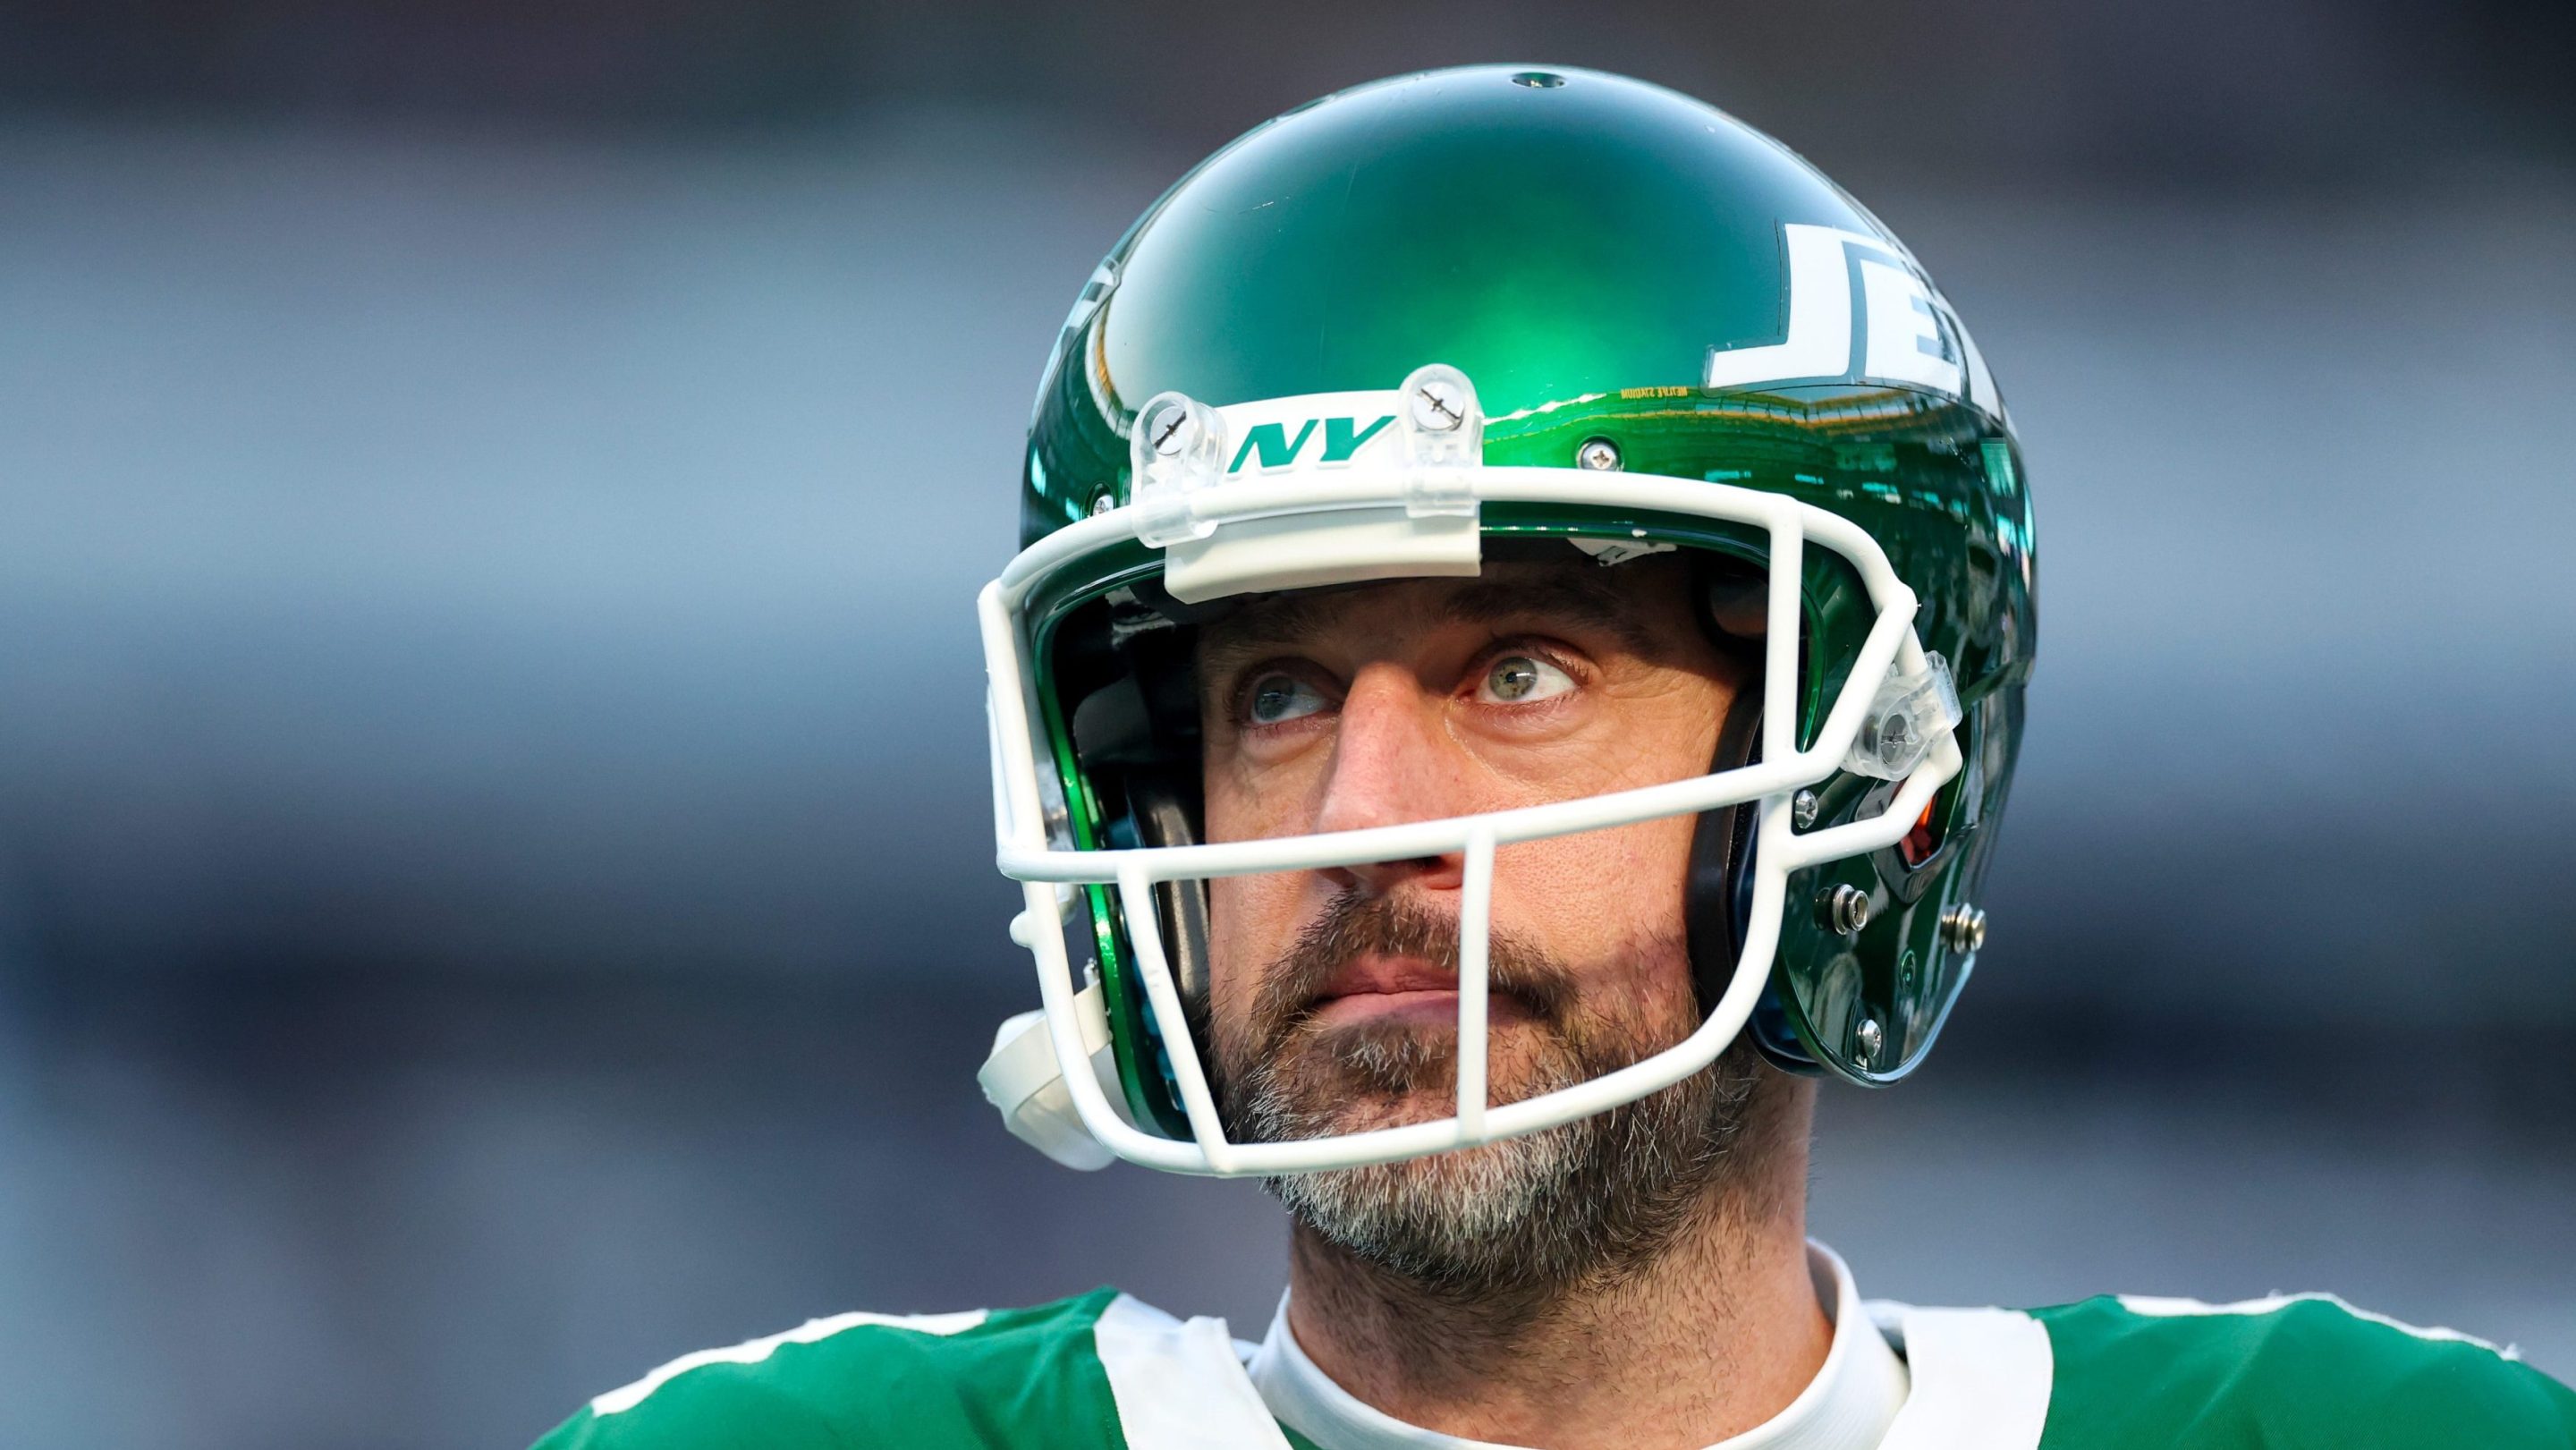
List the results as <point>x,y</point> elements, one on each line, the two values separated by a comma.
<point>495,886</point>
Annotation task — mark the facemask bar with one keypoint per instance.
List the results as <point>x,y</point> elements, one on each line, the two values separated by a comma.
<point>1890,652</point>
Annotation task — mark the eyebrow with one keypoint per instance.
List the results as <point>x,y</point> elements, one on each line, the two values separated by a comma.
<point>1583,599</point>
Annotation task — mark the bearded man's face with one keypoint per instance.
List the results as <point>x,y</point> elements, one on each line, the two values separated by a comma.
<point>1332,1004</point>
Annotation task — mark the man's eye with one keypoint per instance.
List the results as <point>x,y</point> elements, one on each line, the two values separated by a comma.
<point>1520,679</point>
<point>1277,699</point>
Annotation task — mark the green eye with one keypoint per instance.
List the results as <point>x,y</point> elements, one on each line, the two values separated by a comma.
<point>1277,699</point>
<point>1520,679</point>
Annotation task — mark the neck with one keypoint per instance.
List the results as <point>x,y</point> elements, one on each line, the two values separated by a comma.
<point>1710,1336</point>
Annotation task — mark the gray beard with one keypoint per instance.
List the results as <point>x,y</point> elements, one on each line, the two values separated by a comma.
<point>1584,1204</point>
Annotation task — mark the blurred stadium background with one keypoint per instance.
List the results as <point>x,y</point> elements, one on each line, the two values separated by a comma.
<point>494,879</point>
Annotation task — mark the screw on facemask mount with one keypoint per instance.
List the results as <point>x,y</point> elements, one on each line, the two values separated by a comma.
<point>1175,449</point>
<point>1443,431</point>
<point>1911,710</point>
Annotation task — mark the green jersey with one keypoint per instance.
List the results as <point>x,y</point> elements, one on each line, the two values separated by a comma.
<point>1105,1372</point>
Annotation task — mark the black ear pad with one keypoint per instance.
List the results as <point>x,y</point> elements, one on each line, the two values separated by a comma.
<point>1718,894</point>
<point>1162,805</point>
<point>1716,902</point>
<point>1165,806</point>
<point>1139,731</point>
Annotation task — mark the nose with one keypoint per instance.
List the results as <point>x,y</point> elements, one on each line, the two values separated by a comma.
<point>1393,763</point>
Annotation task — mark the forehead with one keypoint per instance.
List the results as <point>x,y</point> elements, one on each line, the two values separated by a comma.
<point>1641,602</point>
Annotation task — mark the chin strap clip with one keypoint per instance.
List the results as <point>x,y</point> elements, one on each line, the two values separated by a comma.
<point>1024,1081</point>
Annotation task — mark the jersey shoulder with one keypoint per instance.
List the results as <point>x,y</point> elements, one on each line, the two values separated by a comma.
<point>2285,1373</point>
<point>976,1380</point>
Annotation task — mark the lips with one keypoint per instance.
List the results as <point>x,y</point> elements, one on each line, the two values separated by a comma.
<point>1376,974</point>
<point>1377,988</point>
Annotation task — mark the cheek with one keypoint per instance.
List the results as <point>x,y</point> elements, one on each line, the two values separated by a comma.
<point>1221,801</point>
<point>1251,919</point>
<point>1242,799</point>
<point>1234,909</point>
<point>1606,895</point>
<point>1249,922</point>
<point>1612,902</point>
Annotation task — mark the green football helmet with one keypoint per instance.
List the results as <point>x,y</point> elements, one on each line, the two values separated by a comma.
<point>1453,316</point>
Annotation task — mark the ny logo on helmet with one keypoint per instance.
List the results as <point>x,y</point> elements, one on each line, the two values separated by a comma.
<point>1908,331</point>
<point>1270,446</point>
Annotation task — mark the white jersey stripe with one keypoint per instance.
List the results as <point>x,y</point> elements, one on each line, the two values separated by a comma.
<point>1180,1385</point>
<point>753,1351</point>
<point>1981,1380</point>
<point>2156,1308</point>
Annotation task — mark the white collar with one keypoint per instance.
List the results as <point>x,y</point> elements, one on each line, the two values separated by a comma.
<point>1847,1406</point>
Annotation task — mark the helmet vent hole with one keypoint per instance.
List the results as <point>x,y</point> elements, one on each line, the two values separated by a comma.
<point>1539,80</point>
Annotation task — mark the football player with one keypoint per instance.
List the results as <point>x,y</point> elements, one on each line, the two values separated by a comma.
<point>1511,679</point>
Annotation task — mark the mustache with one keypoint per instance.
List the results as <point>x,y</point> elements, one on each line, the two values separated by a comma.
<point>1353,925</point>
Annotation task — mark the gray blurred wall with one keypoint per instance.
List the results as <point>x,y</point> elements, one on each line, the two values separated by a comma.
<point>494,850</point>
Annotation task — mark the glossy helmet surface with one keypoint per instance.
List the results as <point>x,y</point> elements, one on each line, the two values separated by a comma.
<point>1601,262</point>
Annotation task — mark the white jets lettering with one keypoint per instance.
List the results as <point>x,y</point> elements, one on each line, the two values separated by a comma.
<point>1907,333</point>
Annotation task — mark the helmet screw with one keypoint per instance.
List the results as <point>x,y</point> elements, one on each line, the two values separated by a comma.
<point>1103,504</point>
<point>1846,909</point>
<point>1802,809</point>
<point>1437,408</point>
<point>1871,1038</point>
<point>1896,731</point>
<point>1166,431</point>
<point>1963,927</point>
<point>1599,455</point>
